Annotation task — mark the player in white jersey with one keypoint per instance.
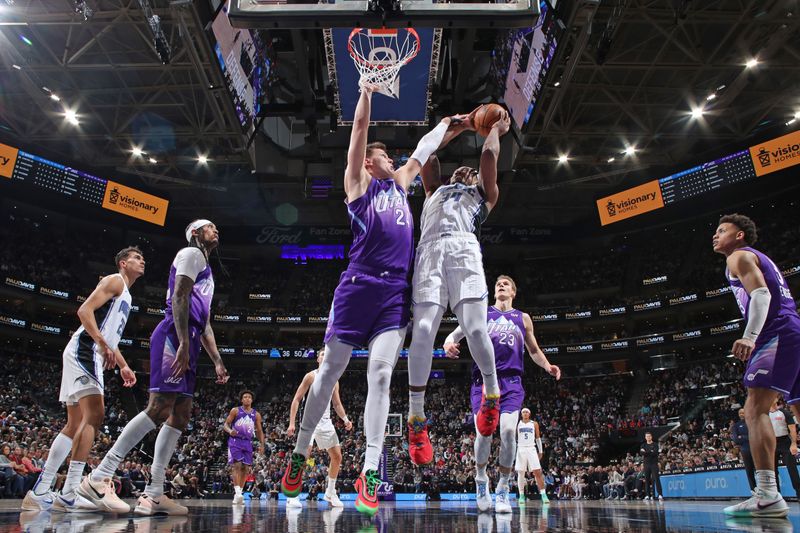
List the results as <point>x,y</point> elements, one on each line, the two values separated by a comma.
<point>449,270</point>
<point>92,348</point>
<point>529,451</point>
<point>324,434</point>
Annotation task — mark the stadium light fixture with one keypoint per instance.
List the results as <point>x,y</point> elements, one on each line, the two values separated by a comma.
<point>71,116</point>
<point>152,160</point>
<point>563,158</point>
<point>697,112</point>
<point>202,159</point>
<point>136,151</point>
<point>630,150</point>
<point>751,63</point>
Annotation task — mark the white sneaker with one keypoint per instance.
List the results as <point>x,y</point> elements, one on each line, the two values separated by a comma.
<point>333,499</point>
<point>501,503</point>
<point>38,502</point>
<point>660,498</point>
<point>163,506</point>
<point>482,496</point>
<point>74,504</point>
<point>294,503</point>
<point>646,499</point>
<point>102,494</point>
<point>238,499</point>
<point>760,505</point>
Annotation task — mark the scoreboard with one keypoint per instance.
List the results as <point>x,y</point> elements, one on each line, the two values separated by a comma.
<point>24,168</point>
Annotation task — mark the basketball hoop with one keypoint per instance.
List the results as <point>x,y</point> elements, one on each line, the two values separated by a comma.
<point>379,54</point>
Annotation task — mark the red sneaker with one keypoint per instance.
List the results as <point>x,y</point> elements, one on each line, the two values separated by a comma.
<point>292,480</point>
<point>419,444</point>
<point>489,415</point>
<point>367,488</point>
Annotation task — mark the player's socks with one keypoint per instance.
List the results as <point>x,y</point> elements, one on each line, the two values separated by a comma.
<point>331,488</point>
<point>765,480</point>
<point>521,482</point>
<point>74,475</point>
<point>237,489</point>
<point>132,435</point>
<point>166,442</point>
<point>59,450</point>
<point>502,482</point>
<point>416,405</point>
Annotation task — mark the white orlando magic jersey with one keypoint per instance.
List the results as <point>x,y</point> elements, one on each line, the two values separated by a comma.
<point>526,435</point>
<point>111,319</point>
<point>456,208</point>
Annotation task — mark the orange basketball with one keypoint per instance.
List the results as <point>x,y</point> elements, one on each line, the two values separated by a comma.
<point>485,116</point>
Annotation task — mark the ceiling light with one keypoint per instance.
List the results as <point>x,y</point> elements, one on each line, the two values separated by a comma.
<point>697,112</point>
<point>751,63</point>
<point>25,40</point>
<point>791,121</point>
<point>563,158</point>
<point>136,151</point>
<point>71,116</point>
<point>611,159</point>
<point>54,96</point>
<point>630,150</point>
<point>556,84</point>
<point>202,159</point>
<point>711,97</point>
<point>17,66</point>
<point>797,115</point>
<point>152,160</point>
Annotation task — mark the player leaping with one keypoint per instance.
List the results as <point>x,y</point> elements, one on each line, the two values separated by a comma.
<point>449,269</point>
<point>510,331</point>
<point>371,303</point>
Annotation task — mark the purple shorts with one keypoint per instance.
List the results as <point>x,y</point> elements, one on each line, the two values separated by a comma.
<point>240,451</point>
<point>775,363</point>
<point>511,394</point>
<point>163,345</point>
<point>368,302</point>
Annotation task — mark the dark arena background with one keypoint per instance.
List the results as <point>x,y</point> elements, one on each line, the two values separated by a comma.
<point>634,126</point>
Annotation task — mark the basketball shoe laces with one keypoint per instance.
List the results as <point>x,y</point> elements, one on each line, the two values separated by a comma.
<point>373,480</point>
<point>488,405</point>
<point>297,463</point>
<point>418,425</point>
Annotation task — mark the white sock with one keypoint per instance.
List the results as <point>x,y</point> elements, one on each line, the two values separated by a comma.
<point>480,473</point>
<point>416,404</point>
<point>166,442</point>
<point>237,489</point>
<point>59,450</point>
<point>73,477</point>
<point>331,488</point>
<point>765,480</point>
<point>521,482</point>
<point>132,435</point>
<point>502,483</point>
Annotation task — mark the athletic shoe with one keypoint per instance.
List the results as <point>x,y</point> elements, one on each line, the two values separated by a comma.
<point>760,505</point>
<point>367,488</point>
<point>294,503</point>
<point>330,517</point>
<point>501,503</point>
<point>660,498</point>
<point>485,523</point>
<point>163,506</point>
<point>488,415</point>
<point>521,500</point>
<point>38,502</point>
<point>75,504</point>
<point>102,494</point>
<point>292,480</point>
<point>482,497</point>
<point>333,499</point>
<point>758,525</point>
<point>545,499</point>
<point>238,499</point>
<point>646,498</point>
<point>420,449</point>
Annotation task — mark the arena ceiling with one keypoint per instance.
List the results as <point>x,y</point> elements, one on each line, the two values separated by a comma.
<point>628,74</point>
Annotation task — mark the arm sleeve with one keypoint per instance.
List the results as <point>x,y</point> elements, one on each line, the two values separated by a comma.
<point>757,312</point>
<point>429,143</point>
<point>190,262</point>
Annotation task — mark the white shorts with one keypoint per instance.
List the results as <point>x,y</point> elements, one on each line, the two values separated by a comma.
<point>82,371</point>
<point>527,459</point>
<point>325,436</point>
<point>448,270</point>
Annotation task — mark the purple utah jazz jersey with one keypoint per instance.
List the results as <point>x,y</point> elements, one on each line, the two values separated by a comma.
<point>383,229</point>
<point>245,425</point>
<point>200,300</point>
<point>507,332</point>
<point>782,311</point>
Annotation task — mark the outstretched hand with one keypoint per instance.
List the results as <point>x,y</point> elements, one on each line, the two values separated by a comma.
<point>367,87</point>
<point>503,125</point>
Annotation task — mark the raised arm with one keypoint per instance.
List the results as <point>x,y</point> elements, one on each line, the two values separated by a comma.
<point>536,353</point>
<point>308,379</point>
<point>356,178</point>
<point>488,164</point>
<point>108,288</point>
<point>431,175</point>
<point>447,130</point>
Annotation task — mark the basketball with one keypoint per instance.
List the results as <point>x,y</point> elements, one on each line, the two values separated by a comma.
<point>485,116</point>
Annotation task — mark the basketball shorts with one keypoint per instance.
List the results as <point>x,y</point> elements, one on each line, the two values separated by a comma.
<point>240,451</point>
<point>449,269</point>
<point>325,436</point>
<point>775,362</point>
<point>527,459</point>
<point>511,394</point>
<point>163,347</point>
<point>367,302</point>
<point>82,370</point>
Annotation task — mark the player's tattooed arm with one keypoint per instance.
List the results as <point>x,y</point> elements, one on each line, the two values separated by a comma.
<point>210,344</point>
<point>180,314</point>
<point>536,352</point>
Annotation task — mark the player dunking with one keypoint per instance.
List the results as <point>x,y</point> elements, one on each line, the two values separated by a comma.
<point>243,423</point>
<point>174,350</point>
<point>529,453</point>
<point>510,331</point>
<point>92,348</point>
<point>770,345</point>
<point>449,269</point>
<point>371,303</point>
<point>324,435</point>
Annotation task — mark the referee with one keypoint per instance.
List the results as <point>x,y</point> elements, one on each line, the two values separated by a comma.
<point>650,453</point>
<point>785,427</point>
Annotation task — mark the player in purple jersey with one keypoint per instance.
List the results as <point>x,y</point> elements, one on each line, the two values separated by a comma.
<point>771,347</point>
<point>371,303</point>
<point>243,423</point>
<point>174,350</point>
<point>510,331</point>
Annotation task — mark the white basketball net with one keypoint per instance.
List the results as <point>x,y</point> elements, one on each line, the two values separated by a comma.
<point>380,54</point>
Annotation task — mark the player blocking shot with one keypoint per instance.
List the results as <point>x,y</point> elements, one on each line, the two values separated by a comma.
<point>91,349</point>
<point>242,424</point>
<point>770,346</point>
<point>174,352</point>
<point>449,270</point>
<point>510,331</point>
<point>371,302</point>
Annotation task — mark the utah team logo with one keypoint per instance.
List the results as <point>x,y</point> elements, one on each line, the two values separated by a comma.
<point>113,196</point>
<point>612,209</point>
<point>763,157</point>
